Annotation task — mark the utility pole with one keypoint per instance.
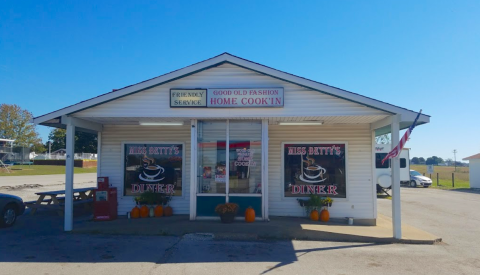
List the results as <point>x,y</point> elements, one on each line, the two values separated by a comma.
<point>455,158</point>
<point>49,149</point>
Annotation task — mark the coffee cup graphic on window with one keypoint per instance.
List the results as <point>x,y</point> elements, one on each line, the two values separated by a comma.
<point>314,171</point>
<point>150,169</point>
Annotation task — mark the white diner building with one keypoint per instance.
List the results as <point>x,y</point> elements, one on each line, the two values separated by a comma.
<point>231,130</point>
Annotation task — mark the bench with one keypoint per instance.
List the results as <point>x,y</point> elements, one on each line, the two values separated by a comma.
<point>56,200</point>
<point>48,201</point>
<point>77,202</point>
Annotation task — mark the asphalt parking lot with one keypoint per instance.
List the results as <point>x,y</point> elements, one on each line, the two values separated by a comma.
<point>451,214</point>
<point>38,243</point>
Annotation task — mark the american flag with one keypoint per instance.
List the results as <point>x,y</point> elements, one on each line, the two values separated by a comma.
<point>395,151</point>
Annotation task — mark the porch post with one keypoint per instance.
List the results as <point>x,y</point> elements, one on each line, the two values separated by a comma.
<point>265,169</point>
<point>193,169</point>
<point>395,164</point>
<point>99,151</point>
<point>69,163</point>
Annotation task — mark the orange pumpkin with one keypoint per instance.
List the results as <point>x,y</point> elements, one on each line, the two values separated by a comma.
<point>144,211</point>
<point>314,215</point>
<point>249,215</point>
<point>158,211</point>
<point>324,215</point>
<point>135,213</point>
<point>168,211</point>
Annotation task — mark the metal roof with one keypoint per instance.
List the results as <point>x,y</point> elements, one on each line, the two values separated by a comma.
<point>477,156</point>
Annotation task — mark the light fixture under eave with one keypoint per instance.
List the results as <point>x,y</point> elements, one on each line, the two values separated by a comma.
<point>176,123</point>
<point>300,123</point>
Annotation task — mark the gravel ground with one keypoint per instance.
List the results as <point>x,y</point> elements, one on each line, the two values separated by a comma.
<point>26,186</point>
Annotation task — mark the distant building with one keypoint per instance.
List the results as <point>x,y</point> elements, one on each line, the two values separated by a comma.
<point>59,152</point>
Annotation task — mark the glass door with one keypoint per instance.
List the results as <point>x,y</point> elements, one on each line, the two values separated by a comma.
<point>245,165</point>
<point>212,169</point>
<point>238,180</point>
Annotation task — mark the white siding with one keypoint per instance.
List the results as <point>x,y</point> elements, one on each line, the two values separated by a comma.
<point>359,202</point>
<point>111,161</point>
<point>474,173</point>
<point>299,101</point>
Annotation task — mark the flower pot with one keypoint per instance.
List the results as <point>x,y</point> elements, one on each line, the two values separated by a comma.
<point>151,212</point>
<point>227,217</point>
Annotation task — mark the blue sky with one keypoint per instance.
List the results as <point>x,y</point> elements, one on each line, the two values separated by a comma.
<point>414,54</point>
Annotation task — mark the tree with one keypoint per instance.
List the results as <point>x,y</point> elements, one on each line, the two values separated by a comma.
<point>84,142</point>
<point>434,160</point>
<point>15,124</point>
<point>38,147</point>
<point>57,137</point>
<point>415,160</point>
<point>421,160</point>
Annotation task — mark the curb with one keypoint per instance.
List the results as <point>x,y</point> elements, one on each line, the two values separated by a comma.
<point>268,237</point>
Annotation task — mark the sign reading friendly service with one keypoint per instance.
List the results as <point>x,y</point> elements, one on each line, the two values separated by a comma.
<point>188,98</point>
<point>227,98</point>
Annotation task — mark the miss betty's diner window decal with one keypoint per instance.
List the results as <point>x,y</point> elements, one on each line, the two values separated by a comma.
<point>153,167</point>
<point>314,169</point>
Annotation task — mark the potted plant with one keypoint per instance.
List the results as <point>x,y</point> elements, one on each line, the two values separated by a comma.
<point>227,212</point>
<point>324,214</point>
<point>311,205</point>
<point>160,199</point>
<point>327,202</point>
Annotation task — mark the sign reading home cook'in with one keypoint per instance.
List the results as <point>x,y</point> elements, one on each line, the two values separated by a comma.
<point>227,98</point>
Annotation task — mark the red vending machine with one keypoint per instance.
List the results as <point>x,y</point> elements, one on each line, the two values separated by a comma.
<point>105,201</point>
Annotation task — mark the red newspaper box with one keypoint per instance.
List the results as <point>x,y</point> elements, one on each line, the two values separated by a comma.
<point>104,201</point>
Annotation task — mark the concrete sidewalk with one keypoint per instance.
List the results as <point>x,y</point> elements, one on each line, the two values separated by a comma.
<point>277,228</point>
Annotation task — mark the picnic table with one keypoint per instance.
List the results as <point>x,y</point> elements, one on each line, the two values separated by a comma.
<point>55,200</point>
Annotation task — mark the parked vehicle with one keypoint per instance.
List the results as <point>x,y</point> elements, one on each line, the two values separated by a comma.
<point>10,208</point>
<point>417,179</point>
<point>383,172</point>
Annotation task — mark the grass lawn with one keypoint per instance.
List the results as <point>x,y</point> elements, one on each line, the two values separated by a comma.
<point>445,176</point>
<point>29,170</point>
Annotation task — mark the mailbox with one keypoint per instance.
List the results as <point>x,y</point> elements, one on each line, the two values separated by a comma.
<point>104,201</point>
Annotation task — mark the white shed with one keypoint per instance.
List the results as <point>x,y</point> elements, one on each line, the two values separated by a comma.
<point>474,163</point>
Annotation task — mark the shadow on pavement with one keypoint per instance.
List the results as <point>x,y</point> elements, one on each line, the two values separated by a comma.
<point>40,238</point>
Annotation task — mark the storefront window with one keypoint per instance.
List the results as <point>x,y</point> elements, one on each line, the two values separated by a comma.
<point>378,161</point>
<point>245,157</point>
<point>212,156</point>
<point>153,167</point>
<point>314,169</point>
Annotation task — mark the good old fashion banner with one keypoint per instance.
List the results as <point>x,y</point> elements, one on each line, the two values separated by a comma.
<point>245,97</point>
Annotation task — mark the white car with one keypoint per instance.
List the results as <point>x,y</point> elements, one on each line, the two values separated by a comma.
<point>417,179</point>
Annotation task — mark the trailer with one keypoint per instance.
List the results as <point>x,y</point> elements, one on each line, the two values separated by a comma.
<point>383,172</point>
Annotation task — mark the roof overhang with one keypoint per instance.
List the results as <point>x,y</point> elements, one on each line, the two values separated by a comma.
<point>477,156</point>
<point>53,119</point>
